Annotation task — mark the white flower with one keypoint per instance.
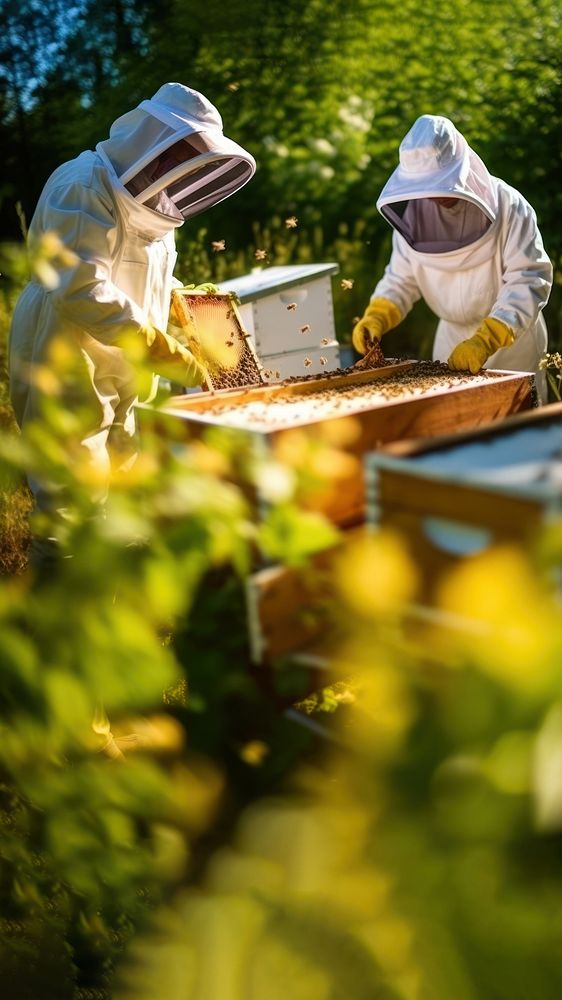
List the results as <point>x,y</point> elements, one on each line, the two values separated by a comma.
<point>276,482</point>
<point>324,147</point>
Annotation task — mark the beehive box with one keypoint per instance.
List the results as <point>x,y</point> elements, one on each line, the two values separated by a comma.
<point>288,311</point>
<point>454,497</point>
<point>407,400</point>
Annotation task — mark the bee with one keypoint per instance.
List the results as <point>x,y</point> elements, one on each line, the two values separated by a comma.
<point>292,306</point>
<point>233,86</point>
<point>277,374</point>
<point>323,361</point>
<point>218,245</point>
<point>324,341</point>
<point>305,328</point>
<point>291,222</point>
<point>347,283</point>
<point>260,254</point>
<point>307,362</point>
<point>229,343</point>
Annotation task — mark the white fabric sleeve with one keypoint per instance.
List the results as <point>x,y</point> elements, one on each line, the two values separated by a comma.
<point>398,283</point>
<point>526,271</point>
<point>86,296</point>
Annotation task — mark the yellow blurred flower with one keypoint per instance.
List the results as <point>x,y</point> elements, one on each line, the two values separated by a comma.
<point>375,575</point>
<point>254,752</point>
<point>517,626</point>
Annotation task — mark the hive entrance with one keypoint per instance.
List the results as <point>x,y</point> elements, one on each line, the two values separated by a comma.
<point>214,333</point>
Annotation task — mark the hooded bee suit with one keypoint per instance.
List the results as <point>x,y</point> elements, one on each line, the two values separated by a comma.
<point>117,208</point>
<point>480,255</point>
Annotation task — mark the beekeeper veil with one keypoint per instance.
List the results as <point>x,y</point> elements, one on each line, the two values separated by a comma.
<point>172,156</point>
<point>441,196</point>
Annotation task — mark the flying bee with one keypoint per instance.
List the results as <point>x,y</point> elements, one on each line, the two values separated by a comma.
<point>305,328</point>
<point>292,306</point>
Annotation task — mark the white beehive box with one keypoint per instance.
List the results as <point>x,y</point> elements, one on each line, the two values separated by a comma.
<point>289,313</point>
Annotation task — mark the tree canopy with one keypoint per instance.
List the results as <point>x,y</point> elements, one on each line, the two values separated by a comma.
<point>321,94</point>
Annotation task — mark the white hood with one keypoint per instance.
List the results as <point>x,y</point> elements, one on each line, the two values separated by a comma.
<point>203,166</point>
<point>437,162</point>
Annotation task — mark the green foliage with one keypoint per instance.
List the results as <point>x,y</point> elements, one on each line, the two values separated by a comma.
<point>97,657</point>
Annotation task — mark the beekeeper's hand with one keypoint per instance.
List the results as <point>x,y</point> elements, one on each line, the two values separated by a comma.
<point>471,355</point>
<point>171,359</point>
<point>380,316</point>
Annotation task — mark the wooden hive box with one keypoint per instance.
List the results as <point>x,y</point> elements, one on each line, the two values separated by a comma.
<point>389,404</point>
<point>455,496</point>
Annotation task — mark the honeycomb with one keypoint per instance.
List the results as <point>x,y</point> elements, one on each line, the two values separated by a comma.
<point>213,331</point>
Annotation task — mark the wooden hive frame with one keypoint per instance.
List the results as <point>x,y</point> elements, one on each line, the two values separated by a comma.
<point>213,329</point>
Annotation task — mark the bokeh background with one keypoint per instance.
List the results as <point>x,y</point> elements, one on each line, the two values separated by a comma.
<point>321,94</point>
<point>166,829</point>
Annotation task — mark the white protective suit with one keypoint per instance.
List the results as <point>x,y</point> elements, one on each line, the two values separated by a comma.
<point>480,257</point>
<point>117,208</point>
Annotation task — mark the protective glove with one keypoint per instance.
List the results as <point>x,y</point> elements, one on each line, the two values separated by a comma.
<point>470,355</point>
<point>380,316</point>
<point>171,359</point>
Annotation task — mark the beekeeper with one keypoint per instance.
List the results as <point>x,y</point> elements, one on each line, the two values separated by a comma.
<point>469,244</point>
<point>116,210</point>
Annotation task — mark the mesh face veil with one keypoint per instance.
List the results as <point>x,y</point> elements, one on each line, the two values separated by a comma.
<point>192,174</point>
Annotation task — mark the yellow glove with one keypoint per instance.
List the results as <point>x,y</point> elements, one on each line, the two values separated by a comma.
<point>470,355</point>
<point>380,316</point>
<point>171,359</point>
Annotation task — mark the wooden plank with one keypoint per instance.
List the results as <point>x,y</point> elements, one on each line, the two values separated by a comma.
<point>425,416</point>
<point>523,417</point>
<point>501,512</point>
<point>289,608</point>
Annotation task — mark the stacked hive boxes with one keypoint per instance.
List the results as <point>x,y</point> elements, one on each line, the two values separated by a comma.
<point>288,311</point>
<point>456,497</point>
